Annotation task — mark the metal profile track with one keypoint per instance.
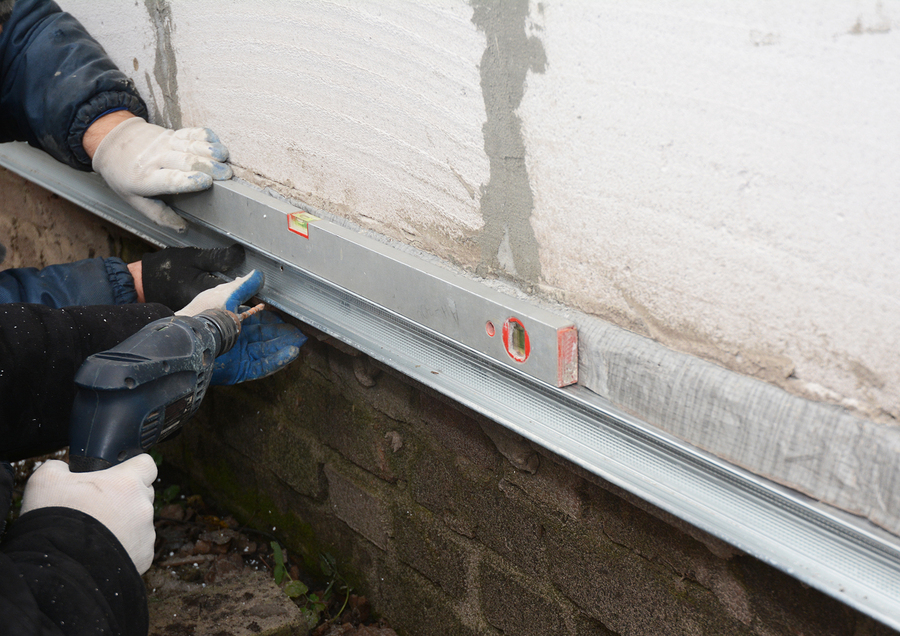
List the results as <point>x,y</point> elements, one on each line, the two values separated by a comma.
<point>836,553</point>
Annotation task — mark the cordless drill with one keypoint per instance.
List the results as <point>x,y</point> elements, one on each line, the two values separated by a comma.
<point>144,389</point>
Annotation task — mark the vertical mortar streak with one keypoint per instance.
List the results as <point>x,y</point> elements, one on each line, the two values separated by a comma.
<point>165,69</point>
<point>507,202</point>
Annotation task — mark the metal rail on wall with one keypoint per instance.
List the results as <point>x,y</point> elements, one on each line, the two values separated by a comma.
<point>436,327</point>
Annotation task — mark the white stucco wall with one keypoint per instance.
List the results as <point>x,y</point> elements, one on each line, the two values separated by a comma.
<point>723,177</point>
<point>726,177</point>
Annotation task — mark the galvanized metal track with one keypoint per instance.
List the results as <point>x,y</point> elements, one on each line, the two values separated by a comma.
<point>836,553</point>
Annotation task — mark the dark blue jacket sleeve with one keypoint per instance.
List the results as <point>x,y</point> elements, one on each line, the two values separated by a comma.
<point>62,572</point>
<point>55,80</point>
<point>41,350</point>
<point>93,281</point>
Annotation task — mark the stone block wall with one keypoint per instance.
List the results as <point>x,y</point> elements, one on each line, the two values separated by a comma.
<point>38,228</point>
<point>437,525</point>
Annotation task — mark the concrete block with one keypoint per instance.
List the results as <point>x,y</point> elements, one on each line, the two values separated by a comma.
<point>510,525</point>
<point>599,493</point>
<point>358,506</point>
<point>446,485</point>
<point>371,382</point>
<point>393,395</point>
<point>517,605</point>
<point>424,543</point>
<point>359,434</point>
<point>265,435</point>
<point>552,486</point>
<point>295,464</point>
<point>454,431</point>
<point>478,505</point>
<point>782,605</point>
<point>629,594</point>
<point>418,607</point>
<point>353,428</point>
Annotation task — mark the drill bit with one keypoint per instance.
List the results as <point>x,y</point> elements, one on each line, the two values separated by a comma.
<point>255,310</point>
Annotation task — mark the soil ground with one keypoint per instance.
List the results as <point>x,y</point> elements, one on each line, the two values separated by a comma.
<point>213,577</point>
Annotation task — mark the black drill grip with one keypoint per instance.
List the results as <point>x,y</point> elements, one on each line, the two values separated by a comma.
<point>143,390</point>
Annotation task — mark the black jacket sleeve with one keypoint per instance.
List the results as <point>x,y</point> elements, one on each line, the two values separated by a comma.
<point>62,572</point>
<point>55,80</point>
<point>41,349</point>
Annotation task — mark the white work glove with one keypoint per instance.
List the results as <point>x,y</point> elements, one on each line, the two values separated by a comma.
<point>121,498</point>
<point>228,296</point>
<point>140,160</point>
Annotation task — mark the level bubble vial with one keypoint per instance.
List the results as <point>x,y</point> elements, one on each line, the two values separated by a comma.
<point>515,339</point>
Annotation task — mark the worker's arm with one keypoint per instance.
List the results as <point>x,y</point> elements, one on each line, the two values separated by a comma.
<point>41,349</point>
<point>63,571</point>
<point>55,81</point>
<point>172,277</point>
<point>59,91</point>
<point>93,281</point>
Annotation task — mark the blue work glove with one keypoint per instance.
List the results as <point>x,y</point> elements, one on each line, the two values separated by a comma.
<point>228,296</point>
<point>266,344</point>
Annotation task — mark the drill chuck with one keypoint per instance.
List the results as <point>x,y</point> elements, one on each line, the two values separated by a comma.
<point>144,389</point>
<point>226,327</point>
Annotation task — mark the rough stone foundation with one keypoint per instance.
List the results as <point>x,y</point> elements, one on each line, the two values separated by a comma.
<point>39,228</point>
<point>444,533</point>
<point>437,527</point>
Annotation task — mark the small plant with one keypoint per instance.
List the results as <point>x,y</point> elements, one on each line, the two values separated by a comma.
<point>328,565</point>
<point>166,497</point>
<point>312,606</point>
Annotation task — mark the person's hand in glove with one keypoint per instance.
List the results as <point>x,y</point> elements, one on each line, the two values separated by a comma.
<point>176,275</point>
<point>266,345</point>
<point>139,161</point>
<point>121,498</point>
<point>228,296</point>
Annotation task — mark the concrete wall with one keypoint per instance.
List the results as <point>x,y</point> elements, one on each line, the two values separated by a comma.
<point>720,177</point>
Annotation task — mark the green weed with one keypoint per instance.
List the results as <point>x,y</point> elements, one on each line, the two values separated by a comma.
<point>312,606</point>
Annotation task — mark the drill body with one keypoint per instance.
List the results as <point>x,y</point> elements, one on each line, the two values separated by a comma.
<point>144,389</point>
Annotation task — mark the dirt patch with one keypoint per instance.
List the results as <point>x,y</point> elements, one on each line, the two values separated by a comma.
<point>213,577</point>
